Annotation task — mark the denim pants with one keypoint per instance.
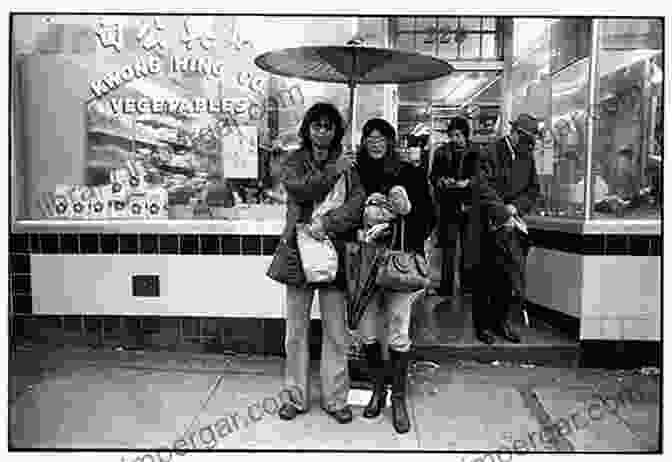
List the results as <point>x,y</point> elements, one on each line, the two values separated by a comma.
<point>335,346</point>
<point>391,310</point>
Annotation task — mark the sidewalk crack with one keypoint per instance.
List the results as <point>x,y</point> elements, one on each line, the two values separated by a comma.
<point>203,406</point>
<point>540,414</point>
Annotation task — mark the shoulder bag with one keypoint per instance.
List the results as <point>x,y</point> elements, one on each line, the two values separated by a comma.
<point>401,270</point>
<point>286,267</point>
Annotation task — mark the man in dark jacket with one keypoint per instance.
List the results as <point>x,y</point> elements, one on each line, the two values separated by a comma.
<point>511,172</point>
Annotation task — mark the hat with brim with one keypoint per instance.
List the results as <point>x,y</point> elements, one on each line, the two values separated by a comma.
<point>527,124</point>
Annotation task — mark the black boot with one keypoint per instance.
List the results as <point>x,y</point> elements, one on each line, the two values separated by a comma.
<point>505,328</point>
<point>399,369</point>
<point>376,365</point>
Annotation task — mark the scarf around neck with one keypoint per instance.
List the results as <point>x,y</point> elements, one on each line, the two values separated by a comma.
<point>377,175</point>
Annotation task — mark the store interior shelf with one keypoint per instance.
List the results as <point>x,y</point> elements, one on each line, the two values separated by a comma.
<point>175,169</point>
<point>126,137</point>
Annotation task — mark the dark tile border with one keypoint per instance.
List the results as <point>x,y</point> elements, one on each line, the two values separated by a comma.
<point>131,244</point>
<point>149,243</point>
<point>620,354</point>
<point>598,244</point>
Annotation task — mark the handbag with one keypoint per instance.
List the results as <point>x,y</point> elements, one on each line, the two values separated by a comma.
<point>401,270</point>
<point>318,257</point>
<point>286,267</point>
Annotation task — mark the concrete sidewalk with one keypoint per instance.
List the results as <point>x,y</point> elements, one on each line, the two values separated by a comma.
<point>94,399</point>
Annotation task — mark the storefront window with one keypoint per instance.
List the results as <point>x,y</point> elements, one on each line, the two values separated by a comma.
<point>627,152</point>
<point>142,117</point>
<point>550,80</point>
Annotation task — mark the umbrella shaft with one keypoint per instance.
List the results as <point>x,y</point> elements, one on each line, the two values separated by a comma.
<point>351,114</point>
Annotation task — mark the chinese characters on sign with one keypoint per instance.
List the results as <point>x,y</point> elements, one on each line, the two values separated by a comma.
<point>109,35</point>
<point>198,29</point>
<point>149,37</point>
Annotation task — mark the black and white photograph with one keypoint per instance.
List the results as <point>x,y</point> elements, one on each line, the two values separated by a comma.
<point>390,232</point>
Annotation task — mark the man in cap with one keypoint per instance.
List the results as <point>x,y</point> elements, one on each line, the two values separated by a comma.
<point>511,172</point>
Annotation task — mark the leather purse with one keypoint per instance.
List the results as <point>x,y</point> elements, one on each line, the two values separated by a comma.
<point>400,270</point>
<point>286,267</point>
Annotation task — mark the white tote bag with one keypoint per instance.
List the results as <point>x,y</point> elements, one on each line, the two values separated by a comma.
<point>319,256</point>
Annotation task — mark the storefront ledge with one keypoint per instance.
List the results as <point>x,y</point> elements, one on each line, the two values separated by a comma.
<point>601,226</point>
<point>600,238</point>
<point>268,227</point>
<point>569,325</point>
<point>620,354</point>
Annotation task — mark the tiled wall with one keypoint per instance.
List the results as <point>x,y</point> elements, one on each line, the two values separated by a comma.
<point>242,334</point>
<point>621,298</point>
<point>611,283</point>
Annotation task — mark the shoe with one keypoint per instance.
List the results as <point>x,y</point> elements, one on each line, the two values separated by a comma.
<point>342,416</point>
<point>399,368</point>
<point>289,412</point>
<point>486,336</point>
<point>508,333</point>
<point>376,365</point>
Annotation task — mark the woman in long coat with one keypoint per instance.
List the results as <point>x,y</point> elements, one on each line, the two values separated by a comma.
<point>382,173</point>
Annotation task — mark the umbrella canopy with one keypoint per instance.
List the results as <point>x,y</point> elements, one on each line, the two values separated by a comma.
<point>353,64</point>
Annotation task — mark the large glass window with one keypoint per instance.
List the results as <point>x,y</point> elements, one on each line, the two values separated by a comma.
<point>139,117</point>
<point>550,80</point>
<point>627,146</point>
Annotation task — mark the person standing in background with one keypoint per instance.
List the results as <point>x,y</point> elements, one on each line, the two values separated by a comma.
<point>455,179</point>
<point>512,174</point>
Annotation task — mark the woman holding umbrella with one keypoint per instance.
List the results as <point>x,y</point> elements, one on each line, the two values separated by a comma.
<point>308,175</point>
<point>383,174</point>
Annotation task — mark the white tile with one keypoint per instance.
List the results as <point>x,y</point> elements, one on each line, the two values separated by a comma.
<point>190,285</point>
<point>645,328</point>
<point>590,328</point>
<point>621,286</point>
<point>612,329</point>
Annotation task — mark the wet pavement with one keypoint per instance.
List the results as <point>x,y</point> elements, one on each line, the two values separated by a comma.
<point>105,399</point>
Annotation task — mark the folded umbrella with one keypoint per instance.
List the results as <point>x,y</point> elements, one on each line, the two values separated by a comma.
<point>362,261</point>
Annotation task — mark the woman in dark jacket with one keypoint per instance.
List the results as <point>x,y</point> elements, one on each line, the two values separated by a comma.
<point>308,175</point>
<point>380,170</point>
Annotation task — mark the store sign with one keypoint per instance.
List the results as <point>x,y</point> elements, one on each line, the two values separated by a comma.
<point>179,105</point>
<point>205,66</point>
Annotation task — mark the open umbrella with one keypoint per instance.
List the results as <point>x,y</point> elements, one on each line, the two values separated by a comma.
<point>353,64</point>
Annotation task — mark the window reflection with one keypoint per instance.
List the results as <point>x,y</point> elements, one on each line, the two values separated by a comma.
<point>550,81</point>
